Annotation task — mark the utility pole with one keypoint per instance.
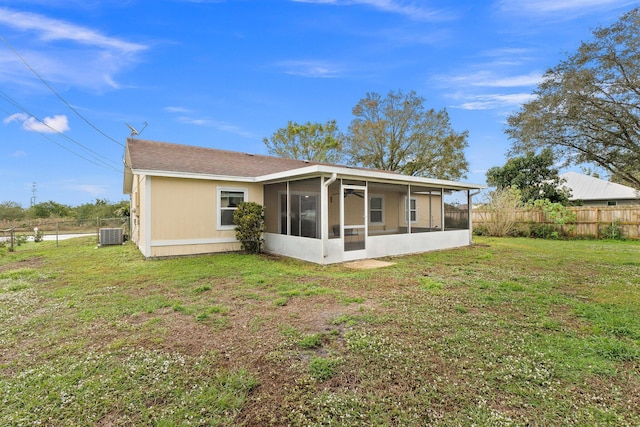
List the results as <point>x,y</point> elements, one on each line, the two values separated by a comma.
<point>34,190</point>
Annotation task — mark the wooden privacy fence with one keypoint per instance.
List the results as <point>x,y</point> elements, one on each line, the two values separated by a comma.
<point>591,221</point>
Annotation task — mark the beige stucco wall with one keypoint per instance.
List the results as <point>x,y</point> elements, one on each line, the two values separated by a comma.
<point>183,209</point>
<point>182,216</point>
<point>393,211</point>
<point>426,214</point>
<point>137,194</point>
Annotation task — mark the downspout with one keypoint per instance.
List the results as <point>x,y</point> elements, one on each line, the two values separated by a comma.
<point>331,180</point>
<point>324,218</point>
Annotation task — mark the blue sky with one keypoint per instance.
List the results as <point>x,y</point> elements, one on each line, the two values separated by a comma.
<point>226,74</point>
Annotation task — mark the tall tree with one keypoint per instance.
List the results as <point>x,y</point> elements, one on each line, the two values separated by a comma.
<point>398,133</point>
<point>587,108</point>
<point>535,177</point>
<point>310,141</point>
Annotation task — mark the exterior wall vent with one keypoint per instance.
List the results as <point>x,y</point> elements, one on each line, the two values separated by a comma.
<point>111,236</point>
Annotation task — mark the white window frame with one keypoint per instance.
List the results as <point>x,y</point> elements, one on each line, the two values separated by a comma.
<point>408,210</point>
<point>219,207</point>
<point>381,197</point>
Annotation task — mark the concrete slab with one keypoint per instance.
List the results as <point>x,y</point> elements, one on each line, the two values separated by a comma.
<point>367,264</point>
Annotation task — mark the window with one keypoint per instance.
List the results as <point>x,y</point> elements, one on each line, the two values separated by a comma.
<point>412,210</point>
<point>613,203</point>
<point>228,201</point>
<point>303,212</point>
<point>376,213</point>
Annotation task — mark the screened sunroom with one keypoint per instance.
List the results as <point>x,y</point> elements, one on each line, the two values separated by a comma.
<point>352,214</point>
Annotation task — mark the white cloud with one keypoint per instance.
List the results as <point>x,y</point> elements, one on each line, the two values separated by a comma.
<point>495,101</point>
<point>55,124</point>
<point>19,153</point>
<point>561,6</point>
<point>93,189</point>
<point>216,124</point>
<point>310,68</point>
<point>491,79</point>
<point>392,6</point>
<point>64,52</point>
<point>53,29</point>
<point>176,109</point>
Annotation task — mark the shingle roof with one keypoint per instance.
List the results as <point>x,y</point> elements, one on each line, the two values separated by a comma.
<point>585,187</point>
<point>168,157</point>
<point>162,158</point>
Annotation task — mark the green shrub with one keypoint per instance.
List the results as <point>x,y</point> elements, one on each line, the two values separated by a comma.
<point>249,221</point>
<point>612,231</point>
<point>543,231</point>
<point>480,230</point>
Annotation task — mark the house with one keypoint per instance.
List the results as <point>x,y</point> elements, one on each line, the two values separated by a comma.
<point>183,199</point>
<point>593,191</point>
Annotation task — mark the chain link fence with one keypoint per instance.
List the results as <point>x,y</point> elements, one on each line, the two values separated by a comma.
<point>13,234</point>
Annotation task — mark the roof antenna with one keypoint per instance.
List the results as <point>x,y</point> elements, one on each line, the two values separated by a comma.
<point>134,131</point>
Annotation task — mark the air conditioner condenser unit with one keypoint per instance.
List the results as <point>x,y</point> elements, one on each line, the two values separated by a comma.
<point>111,236</point>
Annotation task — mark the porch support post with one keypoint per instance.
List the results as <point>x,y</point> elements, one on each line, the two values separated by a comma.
<point>324,212</point>
<point>442,207</point>
<point>407,207</point>
<point>469,222</point>
<point>288,211</point>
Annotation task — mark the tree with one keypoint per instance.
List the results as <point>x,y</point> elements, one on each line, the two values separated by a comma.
<point>500,212</point>
<point>535,176</point>
<point>50,209</point>
<point>587,108</point>
<point>310,141</point>
<point>11,211</point>
<point>398,133</point>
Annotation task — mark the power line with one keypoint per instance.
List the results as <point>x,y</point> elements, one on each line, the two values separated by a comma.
<point>64,101</point>
<point>97,162</point>
<point>68,138</point>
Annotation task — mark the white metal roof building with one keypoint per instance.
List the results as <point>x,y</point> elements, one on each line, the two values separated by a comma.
<point>598,192</point>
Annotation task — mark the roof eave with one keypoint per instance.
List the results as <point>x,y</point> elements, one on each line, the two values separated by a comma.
<point>193,175</point>
<point>367,174</point>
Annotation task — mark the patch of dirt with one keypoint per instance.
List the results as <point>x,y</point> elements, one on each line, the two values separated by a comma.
<point>34,262</point>
<point>251,332</point>
<point>367,264</point>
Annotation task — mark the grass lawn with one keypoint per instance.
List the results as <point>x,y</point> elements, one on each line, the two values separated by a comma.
<point>507,332</point>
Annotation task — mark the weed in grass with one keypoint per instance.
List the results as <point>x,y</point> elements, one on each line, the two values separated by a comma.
<point>201,289</point>
<point>511,286</point>
<point>280,302</point>
<point>345,319</point>
<point>611,319</point>
<point>134,387</point>
<point>372,345</point>
<point>461,309</point>
<point>181,309</point>
<point>322,368</point>
<point>352,300</point>
<point>615,349</point>
<point>309,341</point>
<point>288,331</point>
<point>430,285</point>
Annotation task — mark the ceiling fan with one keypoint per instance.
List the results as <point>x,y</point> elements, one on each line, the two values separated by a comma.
<point>350,192</point>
